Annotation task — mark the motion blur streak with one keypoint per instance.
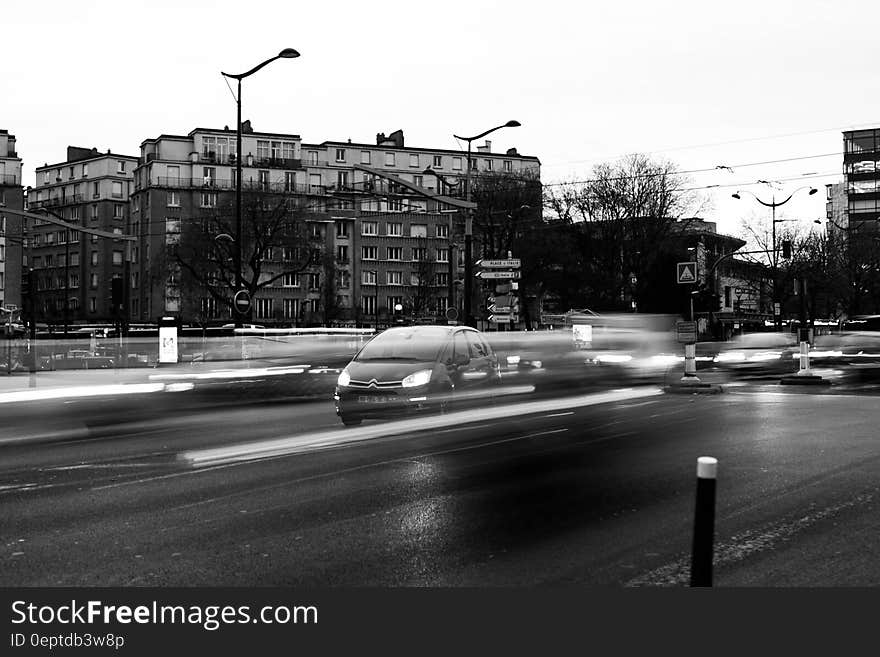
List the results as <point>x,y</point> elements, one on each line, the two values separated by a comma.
<point>83,391</point>
<point>241,373</point>
<point>307,442</point>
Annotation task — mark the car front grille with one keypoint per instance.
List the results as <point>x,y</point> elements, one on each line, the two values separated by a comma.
<point>375,385</point>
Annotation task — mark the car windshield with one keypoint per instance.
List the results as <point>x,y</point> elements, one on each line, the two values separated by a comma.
<point>405,344</point>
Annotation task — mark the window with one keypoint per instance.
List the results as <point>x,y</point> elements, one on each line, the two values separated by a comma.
<point>393,303</point>
<point>369,252</point>
<point>290,280</point>
<point>74,259</point>
<point>208,199</point>
<point>316,231</point>
<point>93,304</point>
<point>93,280</point>
<point>368,278</point>
<point>508,165</point>
<point>438,161</point>
<point>456,164</point>
<point>2,252</point>
<point>418,230</point>
<point>96,190</point>
<point>368,305</point>
<point>94,211</point>
<point>473,165</point>
<point>395,253</point>
<point>313,158</point>
<point>85,173</point>
<point>365,157</point>
<point>370,228</point>
<point>487,164</point>
<point>341,179</point>
<point>116,190</point>
<point>275,148</point>
<point>394,278</point>
<point>289,150</point>
<point>314,281</point>
<point>290,308</point>
<point>94,258</point>
<point>414,160</point>
<point>395,229</point>
<point>264,180</point>
<point>120,167</point>
<point>343,279</point>
<point>262,149</point>
<point>289,181</point>
<point>340,155</point>
<point>117,211</point>
<point>419,181</point>
<point>419,254</point>
<point>342,253</point>
<point>441,279</point>
<point>71,175</point>
<point>341,229</point>
<point>442,230</point>
<point>415,279</point>
<point>442,255</point>
<point>264,308</point>
<point>389,159</point>
<point>209,175</point>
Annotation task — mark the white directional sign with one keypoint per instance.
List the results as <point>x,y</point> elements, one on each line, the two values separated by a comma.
<point>500,319</point>
<point>498,274</point>
<point>509,263</point>
<point>495,308</point>
<point>687,272</point>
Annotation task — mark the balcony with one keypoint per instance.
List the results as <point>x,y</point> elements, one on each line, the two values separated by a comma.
<point>247,185</point>
<point>277,163</point>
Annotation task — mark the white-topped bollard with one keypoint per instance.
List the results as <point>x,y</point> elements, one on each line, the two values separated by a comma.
<point>704,522</point>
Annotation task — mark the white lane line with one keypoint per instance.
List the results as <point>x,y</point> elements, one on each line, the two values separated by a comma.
<point>299,443</point>
<point>746,544</point>
<point>80,391</point>
<point>96,466</point>
<point>559,414</point>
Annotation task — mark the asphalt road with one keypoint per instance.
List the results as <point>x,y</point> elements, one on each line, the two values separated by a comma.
<point>595,490</point>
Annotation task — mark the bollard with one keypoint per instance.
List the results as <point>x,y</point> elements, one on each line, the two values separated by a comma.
<point>704,522</point>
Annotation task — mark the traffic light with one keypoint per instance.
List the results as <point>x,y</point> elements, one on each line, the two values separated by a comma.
<point>786,248</point>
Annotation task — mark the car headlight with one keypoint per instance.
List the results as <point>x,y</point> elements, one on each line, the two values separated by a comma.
<point>513,360</point>
<point>419,378</point>
<point>344,378</point>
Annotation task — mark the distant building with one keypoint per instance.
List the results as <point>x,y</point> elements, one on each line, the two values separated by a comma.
<point>73,270</point>
<point>12,197</point>
<point>392,244</point>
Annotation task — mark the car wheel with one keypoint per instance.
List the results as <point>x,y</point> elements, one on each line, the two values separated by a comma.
<point>351,421</point>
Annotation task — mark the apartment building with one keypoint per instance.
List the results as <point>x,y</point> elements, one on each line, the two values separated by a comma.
<point>73,270</point>
<point>382,251</point>
<point>12,197</point>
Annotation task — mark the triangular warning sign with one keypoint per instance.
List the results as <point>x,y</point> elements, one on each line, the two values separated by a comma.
<point>686,273</point>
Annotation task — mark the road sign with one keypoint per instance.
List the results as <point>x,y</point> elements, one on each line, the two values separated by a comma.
<point>500,319</point>
<point>509,263</point>
<point>686,332</point>
<point>452,314</point>
<point>497,274</point>
<point>242,301</point>
<point>687,272</point>
<point>495,308</point>
<point>502,288</point>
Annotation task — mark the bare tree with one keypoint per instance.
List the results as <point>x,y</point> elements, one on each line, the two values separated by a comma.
<point>275,243</point>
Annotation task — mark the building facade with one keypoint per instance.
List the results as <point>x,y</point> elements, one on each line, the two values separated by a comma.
<point>73,271</point>
<point>12,197</point>
<point>382,245</point>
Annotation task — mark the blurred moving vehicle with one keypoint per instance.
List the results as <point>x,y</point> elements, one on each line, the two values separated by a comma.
<point>759,353</point>
<point>856,353</point>
<point>415,368</point>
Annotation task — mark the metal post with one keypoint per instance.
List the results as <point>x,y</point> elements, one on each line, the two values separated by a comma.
<point>238,316</point>
<point>704,522</point>
<point>468,244</point>
<point>66,281</point>
<point>777,319</point>
<point>451,298</point>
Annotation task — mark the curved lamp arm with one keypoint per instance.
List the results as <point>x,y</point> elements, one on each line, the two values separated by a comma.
<point>509,124</point>
<point>287,53</point>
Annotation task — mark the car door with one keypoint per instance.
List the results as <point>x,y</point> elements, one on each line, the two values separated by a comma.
<point>481,369</point>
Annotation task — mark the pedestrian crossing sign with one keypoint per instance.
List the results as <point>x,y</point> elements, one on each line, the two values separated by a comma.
<point>687,272</point>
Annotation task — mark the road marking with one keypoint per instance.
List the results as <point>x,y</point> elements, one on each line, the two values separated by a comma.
<point>559,414</point>
<point>306,442</point>
<point>746,544</point>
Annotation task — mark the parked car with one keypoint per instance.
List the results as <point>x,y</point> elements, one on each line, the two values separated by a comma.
<point>760,353</point>
<point>415,368</point>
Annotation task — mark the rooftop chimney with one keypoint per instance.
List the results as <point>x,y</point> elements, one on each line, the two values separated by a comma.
<point>485,148</point>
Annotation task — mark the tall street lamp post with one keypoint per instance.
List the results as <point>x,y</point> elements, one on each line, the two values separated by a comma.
<point>287,53</point>
<point>773,204</point>
<point>468,226</point>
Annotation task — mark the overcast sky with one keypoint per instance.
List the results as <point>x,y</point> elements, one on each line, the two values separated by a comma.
<point>703,84</point>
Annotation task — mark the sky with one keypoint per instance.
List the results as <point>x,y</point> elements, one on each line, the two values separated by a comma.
<point>701,84</point>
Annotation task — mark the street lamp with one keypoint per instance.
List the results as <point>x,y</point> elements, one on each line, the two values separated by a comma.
<point>468,226</point>
<point>287,53</point>
<point>773,204</point>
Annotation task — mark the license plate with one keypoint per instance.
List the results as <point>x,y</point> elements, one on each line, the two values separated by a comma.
<point>372,399</point>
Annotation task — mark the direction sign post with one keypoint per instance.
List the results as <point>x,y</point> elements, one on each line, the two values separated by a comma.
<point>508,263</point>
<point>485,274</point>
